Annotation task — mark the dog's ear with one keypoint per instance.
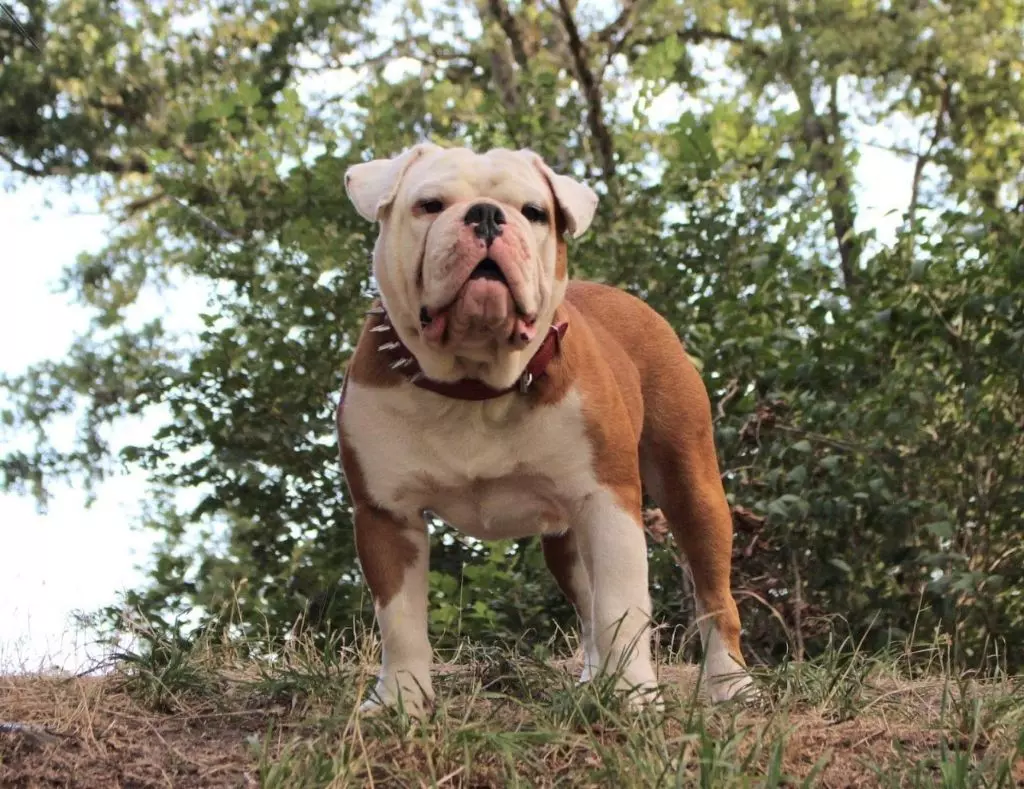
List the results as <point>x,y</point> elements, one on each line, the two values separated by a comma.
<point>372,186</point>
<point>577,201</point>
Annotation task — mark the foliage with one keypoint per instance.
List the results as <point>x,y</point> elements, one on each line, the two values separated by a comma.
<point>868,398</point>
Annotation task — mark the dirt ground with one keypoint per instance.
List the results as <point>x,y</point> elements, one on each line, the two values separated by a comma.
<point>95,732</point>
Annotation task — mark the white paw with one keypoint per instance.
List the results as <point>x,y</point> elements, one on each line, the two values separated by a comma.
<point>730,685</point>
<point>645,696</point>
<point>637,680</point>
<point>591,661</point>
<point>414,698</point>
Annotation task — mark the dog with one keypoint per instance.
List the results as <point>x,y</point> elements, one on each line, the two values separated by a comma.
<point>490,391</point>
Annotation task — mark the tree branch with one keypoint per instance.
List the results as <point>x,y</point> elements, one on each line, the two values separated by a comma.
<point>504,17</point>
<point>142,203</point>
<point>616,33</point>
<point>699,35</point>
<point>840,194</point>
<point>825,144</point>
<point>925,157</point>
<point>591,92</point>
<point>408,48</point>
<point>24,169</point>
<point>97,163</point>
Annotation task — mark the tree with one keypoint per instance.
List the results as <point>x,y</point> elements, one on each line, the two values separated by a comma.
<point>868,399</point>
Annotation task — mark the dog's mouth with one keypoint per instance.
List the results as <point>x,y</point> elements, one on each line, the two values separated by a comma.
<point>434,322</point>
<point>488,269</point>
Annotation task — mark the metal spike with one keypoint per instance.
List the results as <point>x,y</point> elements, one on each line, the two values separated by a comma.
<point>389,346</point>
<point>382,327</point>
<point>375,311</point>
<point>401,363</point>
<point>416,376</point>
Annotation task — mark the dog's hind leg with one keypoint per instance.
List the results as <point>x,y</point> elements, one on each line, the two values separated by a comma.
<point>565,561</point>
<point>680,471</point>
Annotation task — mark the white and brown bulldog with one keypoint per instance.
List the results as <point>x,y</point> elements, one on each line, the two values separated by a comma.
<point>489,390</point>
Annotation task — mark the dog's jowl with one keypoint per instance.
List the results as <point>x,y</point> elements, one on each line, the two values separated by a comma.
<point>491,391</point>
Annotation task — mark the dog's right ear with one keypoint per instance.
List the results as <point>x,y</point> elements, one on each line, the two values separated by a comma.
<point>372,186</point>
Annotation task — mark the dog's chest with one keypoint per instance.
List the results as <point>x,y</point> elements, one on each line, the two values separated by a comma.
<point>493,470</point>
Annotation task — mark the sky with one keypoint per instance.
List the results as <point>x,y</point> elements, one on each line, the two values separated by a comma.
<point>72,557</point>
<point>76,559</point>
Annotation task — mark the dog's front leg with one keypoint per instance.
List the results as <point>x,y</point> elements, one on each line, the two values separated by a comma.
<point>394,554</point>
<point>615,553</point>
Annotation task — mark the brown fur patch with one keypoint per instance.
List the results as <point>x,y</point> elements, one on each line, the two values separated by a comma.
<point>368,365</point>
<point>561,250</point>
<point>647,409</point>
<point>561,554</point>
<point>385,553</point>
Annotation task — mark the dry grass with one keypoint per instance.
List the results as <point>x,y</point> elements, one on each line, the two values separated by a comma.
<point>219,715</point>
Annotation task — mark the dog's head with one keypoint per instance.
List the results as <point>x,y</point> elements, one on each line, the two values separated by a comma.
<point>469,260</point>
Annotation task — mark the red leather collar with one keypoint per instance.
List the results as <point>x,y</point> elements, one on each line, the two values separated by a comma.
<point>402,361</point>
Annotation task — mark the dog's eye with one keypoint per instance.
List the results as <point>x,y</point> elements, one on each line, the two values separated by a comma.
<point>534,213</point>
<point>431,206</point>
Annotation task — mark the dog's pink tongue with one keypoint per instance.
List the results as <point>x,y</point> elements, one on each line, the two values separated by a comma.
<point>523,332</point>
<point>434,331</point>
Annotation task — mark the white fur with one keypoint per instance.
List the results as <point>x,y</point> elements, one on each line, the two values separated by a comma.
<point>405,649</point>
<point>480,456</point>
<point>500,468</point>
<point>615,554</point>
<point>412,256</point>
<point>371,186</point>
<point>723,676</point>
<point>504,470</point>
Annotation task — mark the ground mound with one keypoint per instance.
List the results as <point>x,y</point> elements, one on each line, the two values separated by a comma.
<point>200,716</point>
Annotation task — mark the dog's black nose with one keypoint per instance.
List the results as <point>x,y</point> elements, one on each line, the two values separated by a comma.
<point>487,219</point>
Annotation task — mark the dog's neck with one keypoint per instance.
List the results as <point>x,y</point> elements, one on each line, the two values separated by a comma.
<point>402,361</point>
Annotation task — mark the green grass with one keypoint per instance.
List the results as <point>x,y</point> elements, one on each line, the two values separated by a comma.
<point>505,718</point>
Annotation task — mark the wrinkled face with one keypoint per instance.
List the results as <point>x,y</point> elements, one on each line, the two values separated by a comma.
<point>468,257</point>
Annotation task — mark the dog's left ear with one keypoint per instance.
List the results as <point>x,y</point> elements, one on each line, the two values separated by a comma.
<point>577,201</point>
<point>372,186</point>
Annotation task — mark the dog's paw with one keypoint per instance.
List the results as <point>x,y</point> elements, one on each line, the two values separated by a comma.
<point>645,698</point>
<point>737,685</point>
<point>416,710</point>
<point>415,699</point>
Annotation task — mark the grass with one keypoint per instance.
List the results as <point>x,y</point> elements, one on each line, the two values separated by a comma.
<point>224,714</point>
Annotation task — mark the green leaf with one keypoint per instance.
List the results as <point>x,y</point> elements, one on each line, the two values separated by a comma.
<point>941,529</point>
<point>797,475</point>
<point>248,95</point>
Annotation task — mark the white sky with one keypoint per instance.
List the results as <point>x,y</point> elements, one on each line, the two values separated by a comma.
<point>74,558</point>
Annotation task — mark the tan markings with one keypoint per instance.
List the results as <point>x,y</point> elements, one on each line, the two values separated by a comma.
<point>633,411</point>
<point>593,361</point>
<point>687,487</point>
<point>385,553</point>
<point>368,365</point>
<point>561,249</point>
<point>562,557</point>
<point>648,399</point>
<point>677,451</point>
<point>641,392</point>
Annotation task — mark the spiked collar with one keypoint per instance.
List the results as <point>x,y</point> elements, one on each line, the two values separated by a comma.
<point>401,361</point>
